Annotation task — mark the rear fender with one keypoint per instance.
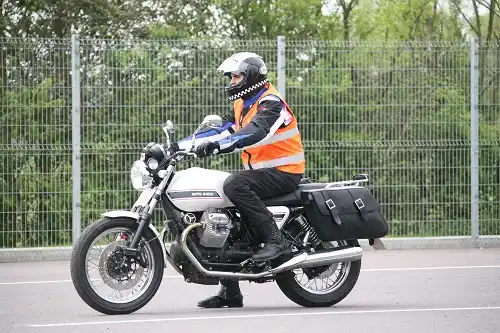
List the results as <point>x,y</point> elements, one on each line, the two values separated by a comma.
<point>135,216</point>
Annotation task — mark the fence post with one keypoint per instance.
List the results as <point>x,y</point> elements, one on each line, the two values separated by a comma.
<point>281,77</point>
<point>75,130</point>
<point>474,130</point>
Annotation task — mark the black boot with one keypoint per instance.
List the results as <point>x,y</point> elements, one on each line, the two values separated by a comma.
<point>229,295</point>
<point>275,244</point>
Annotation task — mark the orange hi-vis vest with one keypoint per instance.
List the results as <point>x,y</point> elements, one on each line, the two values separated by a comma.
<point>282,150</point>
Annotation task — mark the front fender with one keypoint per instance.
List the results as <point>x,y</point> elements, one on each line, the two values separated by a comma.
<point>135,216</point>
<point>121,213</point>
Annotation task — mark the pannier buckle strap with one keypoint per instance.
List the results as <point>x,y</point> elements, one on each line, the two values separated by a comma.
<point>359,203</point>
<point>330,203</point>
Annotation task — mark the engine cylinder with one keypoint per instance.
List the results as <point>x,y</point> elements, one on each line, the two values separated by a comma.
<point>216,230</point>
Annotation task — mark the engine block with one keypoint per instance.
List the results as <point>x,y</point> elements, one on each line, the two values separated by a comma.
<point>217,228</point>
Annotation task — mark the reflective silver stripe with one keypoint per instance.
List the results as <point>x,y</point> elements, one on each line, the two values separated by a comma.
<point>276,137</point>
<point>294,159</point>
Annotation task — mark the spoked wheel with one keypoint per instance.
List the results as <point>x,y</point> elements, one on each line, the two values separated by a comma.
<point>321,286</point>
<point>106,279</point>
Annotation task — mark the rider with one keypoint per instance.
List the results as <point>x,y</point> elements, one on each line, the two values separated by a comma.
<point>264,128</point>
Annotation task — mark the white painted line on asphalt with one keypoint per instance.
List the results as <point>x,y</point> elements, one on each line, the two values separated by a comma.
<point>266,315</point>
<point>66,281</point>
<point>437,268</point>
<point>400,269</point>
<point>32,282</point>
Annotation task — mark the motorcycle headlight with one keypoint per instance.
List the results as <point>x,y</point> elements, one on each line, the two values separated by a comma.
<point>139,176</point>
<point>153,163</point>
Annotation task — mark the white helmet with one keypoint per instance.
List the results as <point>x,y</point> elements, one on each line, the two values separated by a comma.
<point>252,66</point>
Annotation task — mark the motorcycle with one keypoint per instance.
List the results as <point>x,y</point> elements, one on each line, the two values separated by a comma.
<point>211,241</point>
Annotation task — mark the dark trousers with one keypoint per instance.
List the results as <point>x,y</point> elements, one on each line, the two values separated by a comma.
<point>246,188</point>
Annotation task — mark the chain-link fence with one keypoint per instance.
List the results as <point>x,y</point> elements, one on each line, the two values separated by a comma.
<point>409,114</point>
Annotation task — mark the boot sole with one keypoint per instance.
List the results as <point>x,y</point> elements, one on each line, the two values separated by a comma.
<point>279,254</point>
<point>222,306</point>
<point>217,306</point>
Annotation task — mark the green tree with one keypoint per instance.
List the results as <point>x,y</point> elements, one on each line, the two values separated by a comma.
<point>379,86</point>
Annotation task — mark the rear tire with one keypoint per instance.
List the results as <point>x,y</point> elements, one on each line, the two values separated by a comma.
<point>79,274</point>
<point>296,293</point>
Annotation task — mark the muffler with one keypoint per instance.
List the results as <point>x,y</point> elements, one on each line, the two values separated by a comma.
<point>321,259</point>
<point>301,261</point>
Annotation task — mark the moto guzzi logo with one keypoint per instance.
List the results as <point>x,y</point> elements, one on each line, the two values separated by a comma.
<point>203,194</point>
<point>193,194</point>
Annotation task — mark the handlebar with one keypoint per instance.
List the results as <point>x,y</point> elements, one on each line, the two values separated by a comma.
<point>175,156</point>
<point>183,153</point>
<point>189,153</point>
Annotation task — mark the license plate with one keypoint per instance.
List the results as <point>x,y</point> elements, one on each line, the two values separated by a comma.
<point>144,198</point>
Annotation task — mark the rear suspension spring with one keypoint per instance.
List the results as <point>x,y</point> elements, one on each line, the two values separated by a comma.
<point>304,224</point>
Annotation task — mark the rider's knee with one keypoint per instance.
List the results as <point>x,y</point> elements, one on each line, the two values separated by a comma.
<point>232,184</point>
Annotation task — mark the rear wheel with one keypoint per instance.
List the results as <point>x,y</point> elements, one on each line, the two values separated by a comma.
<point>108,281</point>
<point>321,286</point>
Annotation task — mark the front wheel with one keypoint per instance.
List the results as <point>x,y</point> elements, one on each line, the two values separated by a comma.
<point>120,285</point>
<point>324,287</point>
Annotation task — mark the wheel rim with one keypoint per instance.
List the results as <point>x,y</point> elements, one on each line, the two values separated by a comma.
<point>326,283</point>
<point>134,279</point>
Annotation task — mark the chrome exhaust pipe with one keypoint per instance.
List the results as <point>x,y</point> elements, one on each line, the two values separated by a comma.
<point>301,261</point>
<point>322,259</point>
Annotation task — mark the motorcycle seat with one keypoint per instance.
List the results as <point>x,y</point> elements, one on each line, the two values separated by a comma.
<point>292,198</point>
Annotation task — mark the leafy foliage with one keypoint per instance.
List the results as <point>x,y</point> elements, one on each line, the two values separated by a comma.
<point>381,87</point>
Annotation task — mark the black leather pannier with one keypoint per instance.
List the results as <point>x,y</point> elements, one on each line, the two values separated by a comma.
<point>344,213</point>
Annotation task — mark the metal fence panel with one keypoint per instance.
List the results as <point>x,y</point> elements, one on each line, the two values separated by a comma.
<point>398,111</point>
<point>489,138</point>
<point>35,149</point>
<point>130,88</point>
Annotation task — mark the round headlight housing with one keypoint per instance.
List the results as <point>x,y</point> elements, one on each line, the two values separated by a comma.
<point>153,163</point>
<point>139,176</point>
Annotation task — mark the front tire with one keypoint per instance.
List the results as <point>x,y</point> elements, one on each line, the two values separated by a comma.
<point>300,295</point>
<point>80,276</point>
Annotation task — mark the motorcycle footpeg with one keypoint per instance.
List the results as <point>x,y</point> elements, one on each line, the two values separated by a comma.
<point>259,264</point>
<point>256,267</point>
<point>247,262</point>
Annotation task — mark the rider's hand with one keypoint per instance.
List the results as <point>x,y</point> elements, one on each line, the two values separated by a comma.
<point>207,148</point>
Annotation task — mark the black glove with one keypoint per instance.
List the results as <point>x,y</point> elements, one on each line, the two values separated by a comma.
<point>207,148</point>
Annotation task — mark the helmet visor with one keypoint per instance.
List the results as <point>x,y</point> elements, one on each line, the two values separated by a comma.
<point>234,64</point>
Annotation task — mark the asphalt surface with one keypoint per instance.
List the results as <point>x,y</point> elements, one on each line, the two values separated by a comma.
<point>398,291</point>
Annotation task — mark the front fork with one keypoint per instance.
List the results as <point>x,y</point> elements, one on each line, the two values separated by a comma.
<point>145,216</point>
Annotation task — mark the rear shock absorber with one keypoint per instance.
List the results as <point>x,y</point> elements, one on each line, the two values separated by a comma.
<point>313,237</point>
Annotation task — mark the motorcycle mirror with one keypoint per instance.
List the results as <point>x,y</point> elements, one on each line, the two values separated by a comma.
<point>169,128</point>
<point>212,121</point>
